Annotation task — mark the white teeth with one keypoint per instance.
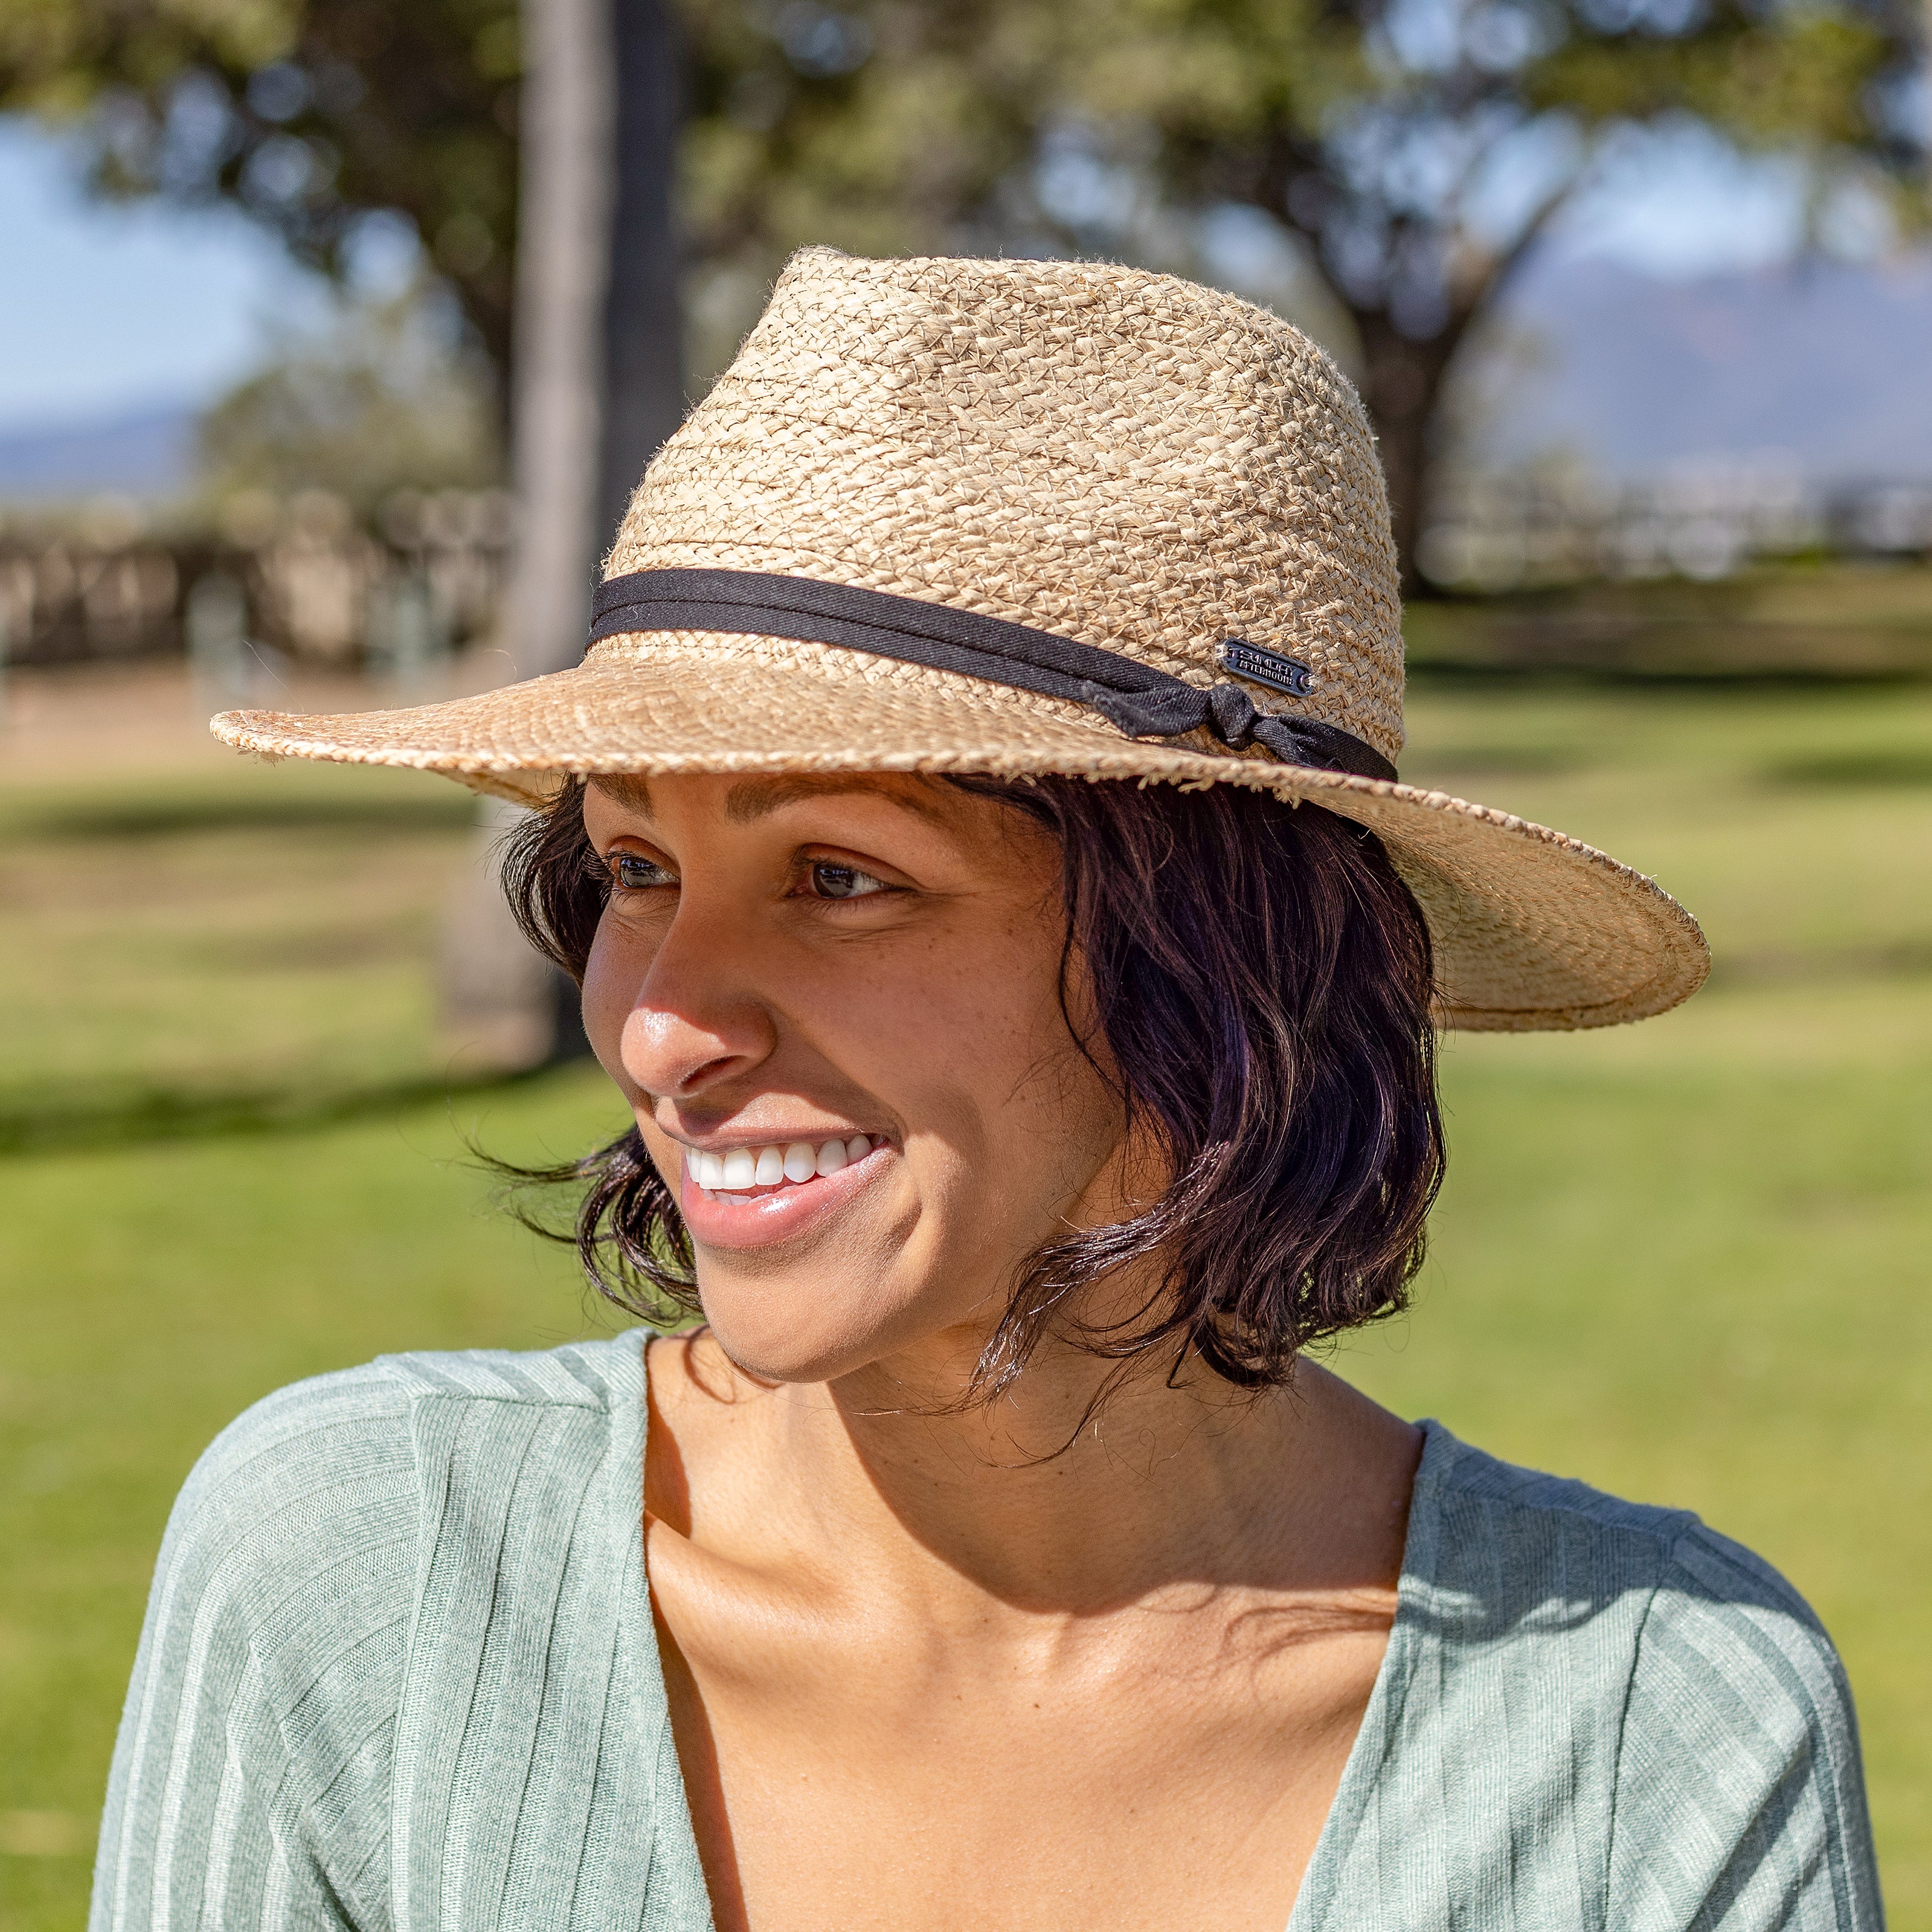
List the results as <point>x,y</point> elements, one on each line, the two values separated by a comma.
<point>796,1161</point>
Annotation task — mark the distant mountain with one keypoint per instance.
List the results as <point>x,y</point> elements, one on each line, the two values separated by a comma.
<point>1828,364</point>
<point>146,452</point>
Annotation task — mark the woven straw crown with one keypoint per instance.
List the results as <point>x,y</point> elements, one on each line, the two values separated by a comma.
<point>1120,457</point>
<point>1116,458</point>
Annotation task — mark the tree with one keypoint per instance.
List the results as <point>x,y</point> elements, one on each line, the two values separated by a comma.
<point>1412,152</point>
<point>1416,153</point>
<point>316,115</point>
<point>312,114</point>
<point>598,384</point>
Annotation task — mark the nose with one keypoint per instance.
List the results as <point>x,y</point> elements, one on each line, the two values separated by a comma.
<point>695,1022</point>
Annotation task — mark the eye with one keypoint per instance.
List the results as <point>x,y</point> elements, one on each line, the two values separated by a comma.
<point>632,872</point>
<point>831,880</point>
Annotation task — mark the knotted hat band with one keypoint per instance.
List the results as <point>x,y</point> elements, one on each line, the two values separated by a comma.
<point>1140,700</point>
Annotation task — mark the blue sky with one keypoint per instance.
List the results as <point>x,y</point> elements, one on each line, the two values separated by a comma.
<point>107,309</point>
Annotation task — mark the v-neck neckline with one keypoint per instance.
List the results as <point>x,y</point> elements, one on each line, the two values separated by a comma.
<point>1375,1739</point>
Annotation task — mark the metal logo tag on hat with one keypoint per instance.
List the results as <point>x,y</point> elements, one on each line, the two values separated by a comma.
<point>1246,660</point>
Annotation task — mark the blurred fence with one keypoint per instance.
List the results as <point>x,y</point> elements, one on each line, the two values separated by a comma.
<point>1656,575</point>
<point>304,577</point>
<point>1703,522</point>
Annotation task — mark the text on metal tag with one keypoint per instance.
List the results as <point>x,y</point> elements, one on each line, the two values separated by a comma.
<point>1246,660</point>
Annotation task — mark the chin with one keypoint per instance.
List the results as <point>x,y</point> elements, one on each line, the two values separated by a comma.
<point>792,1330</point>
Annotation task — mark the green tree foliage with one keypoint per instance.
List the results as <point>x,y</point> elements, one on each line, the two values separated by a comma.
<point>309,114</point>
<point>1409,151</point>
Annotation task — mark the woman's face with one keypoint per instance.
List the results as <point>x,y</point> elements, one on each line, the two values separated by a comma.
<point>833,1005</point>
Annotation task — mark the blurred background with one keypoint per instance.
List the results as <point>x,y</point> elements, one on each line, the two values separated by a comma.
<point>332,335</point>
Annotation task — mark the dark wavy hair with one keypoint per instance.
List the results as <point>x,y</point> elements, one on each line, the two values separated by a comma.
<point>1259,979</point>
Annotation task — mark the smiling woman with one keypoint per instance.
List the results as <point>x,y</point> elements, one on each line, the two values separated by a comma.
<point>1157,919</point>
<point>976,829</point>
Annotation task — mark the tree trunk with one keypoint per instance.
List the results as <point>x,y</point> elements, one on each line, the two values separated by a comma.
<point>1402,385</point>
<point>596,385</point>
<point>644,327</point>
<point>567,131</point>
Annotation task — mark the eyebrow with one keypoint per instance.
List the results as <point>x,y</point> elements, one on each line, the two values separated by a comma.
<point>755,798</point>
<point>631,790</point>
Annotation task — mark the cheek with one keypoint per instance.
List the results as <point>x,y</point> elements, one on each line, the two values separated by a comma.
<point>968,1045</point>
<point>612,975</point>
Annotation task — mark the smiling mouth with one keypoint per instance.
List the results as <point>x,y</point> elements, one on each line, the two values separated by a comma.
<point>754,1173</point>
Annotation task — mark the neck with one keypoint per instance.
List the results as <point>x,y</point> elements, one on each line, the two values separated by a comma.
<point>1079,1489</point>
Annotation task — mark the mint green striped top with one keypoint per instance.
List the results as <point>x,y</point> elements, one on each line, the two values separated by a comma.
<point>398,1673</point>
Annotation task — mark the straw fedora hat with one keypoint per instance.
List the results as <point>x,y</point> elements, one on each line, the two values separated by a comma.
<point>1021,517</point>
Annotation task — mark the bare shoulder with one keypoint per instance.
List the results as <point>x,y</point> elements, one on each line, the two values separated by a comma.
<point>1361,1460</point>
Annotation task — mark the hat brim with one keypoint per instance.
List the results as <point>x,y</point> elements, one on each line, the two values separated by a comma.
<point>1532,930</point>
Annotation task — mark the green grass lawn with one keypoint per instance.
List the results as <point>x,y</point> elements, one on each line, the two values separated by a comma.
<point>1794,617</point>
<point>1688,1260</point>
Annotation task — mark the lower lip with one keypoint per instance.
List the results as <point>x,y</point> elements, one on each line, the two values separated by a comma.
<point>761,1220</point>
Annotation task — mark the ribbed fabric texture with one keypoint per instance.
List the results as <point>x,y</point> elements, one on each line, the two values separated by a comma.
<point>398,1674</point>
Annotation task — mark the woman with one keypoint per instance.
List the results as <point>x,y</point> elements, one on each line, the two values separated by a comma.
<point>976,830</point>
